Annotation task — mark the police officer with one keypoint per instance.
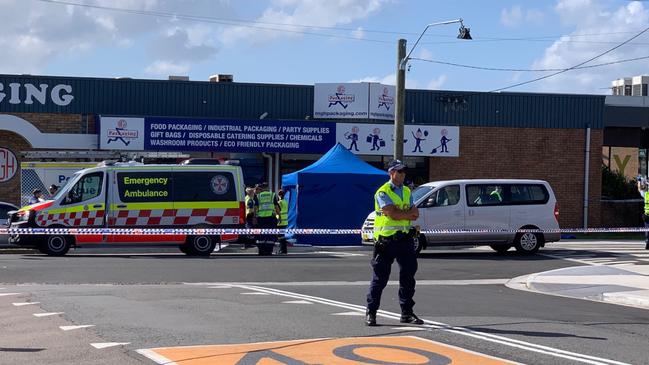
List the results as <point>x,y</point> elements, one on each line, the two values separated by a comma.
<point>282,221</point>
<point>393,239</point>
<point>268,208</point>
<point>251,214</point>
<point>642,189</point>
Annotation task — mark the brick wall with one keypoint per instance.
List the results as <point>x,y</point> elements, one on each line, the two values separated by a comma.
<point>554,155</point>
<point>60,123</point>
<point>10,190</point>
<point>622,213</point>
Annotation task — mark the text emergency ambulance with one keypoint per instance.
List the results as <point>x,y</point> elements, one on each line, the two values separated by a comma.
<point>132,195</point>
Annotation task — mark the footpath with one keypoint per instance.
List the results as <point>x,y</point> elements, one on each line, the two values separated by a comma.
<point>623,285</point>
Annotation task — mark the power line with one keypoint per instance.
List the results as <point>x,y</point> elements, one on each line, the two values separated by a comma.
<point>528,70</point>
<point>575,66</point>
<point>247,24</point>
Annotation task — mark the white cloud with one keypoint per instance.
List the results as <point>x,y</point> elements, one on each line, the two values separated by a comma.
<point>288,15</point>
<point>425,54</point>
<point>35,33</point>
<point>593,17</point>
<point>165,68</point>
<point>359,33</point>
<point>390,79</point>
<point>511,17</point>
<point>437,83</point>
<point>515,16</point>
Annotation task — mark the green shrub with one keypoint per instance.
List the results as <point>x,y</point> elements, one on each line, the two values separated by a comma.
<point>616,186</point>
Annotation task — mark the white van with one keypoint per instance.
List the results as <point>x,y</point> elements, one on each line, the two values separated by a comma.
<point>133,195</point>
<point>500,206</point>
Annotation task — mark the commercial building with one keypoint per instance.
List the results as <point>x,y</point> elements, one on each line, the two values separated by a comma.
<point>276,129</point>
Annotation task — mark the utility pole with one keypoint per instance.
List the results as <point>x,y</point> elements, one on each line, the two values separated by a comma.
<point>399,109</point>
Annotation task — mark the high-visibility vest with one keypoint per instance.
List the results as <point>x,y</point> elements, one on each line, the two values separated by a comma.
<point>282,218</point>
<point>248,209</point>
<point>646,202</point>
<point>384,225</point>
<point>266,205</point>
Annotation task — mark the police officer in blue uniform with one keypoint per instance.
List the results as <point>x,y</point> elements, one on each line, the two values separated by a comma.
<point>393,239</point>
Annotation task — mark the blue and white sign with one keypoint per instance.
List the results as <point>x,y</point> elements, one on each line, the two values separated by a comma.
<point>176,134</point>
<point>418,140</point>
<point>121,133</point>
<point>382,98</point>
<point>341,100</point>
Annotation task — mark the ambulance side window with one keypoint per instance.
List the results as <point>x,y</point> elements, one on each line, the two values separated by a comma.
<point>204,186</point>
<point>88,187</point>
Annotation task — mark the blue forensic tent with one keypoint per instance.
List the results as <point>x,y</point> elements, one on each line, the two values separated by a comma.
<point>337,191</point>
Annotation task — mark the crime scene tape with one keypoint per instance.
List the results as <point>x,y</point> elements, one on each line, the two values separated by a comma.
<point>287,231</point>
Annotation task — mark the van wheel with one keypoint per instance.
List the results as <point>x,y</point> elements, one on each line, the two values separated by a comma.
<point>420,243</point>
<point>528,242</point>
<point>201,245</point>
<point>56,245</point>
<point>500,248</point>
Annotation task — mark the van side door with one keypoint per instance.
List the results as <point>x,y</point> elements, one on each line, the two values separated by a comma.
<point>443,210</point>
<point>84,205</point>
<point>488,212</point>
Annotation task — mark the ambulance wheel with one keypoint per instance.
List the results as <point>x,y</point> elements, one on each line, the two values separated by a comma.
<point>56,245</point>
<point>528,242</point>
<point>201,245</point>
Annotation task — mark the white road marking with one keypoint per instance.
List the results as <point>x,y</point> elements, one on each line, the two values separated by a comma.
<point>254,293</point>
<point>8,294</point>
<point>410,328</point>
<point>353,283</point>
<point>70,328</point>
<point>103,345</point>
<point>155,357</point>
<point>47,314</point>
<point>297,302</point>
<point>25,303</point>
<point>356,313</point>
<point>502,340</point>
<point>220,287</point>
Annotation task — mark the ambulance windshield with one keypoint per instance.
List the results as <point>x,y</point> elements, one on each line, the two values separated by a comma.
<point>64,189</point>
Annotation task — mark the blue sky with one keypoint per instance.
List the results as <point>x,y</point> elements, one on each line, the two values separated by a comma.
<point>313,41</point>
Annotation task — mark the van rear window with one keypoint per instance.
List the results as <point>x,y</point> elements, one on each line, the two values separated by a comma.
<point>529,194</point>
<point>203,186</point>
<point>506,194</point>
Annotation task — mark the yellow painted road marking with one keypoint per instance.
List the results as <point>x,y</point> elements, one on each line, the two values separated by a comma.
<point>343,351</point>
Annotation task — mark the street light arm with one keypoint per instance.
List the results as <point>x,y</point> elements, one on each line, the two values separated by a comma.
<point>402,65</point>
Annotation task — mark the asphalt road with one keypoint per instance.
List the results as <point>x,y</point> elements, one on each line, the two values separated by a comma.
<point>149,300</point>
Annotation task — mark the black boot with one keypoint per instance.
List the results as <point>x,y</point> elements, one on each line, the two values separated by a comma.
<point>370,318</point>
<point>410,318</point>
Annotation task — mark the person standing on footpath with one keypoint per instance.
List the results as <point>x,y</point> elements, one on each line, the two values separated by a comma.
<point>282,221</point>
<point>266,214</point>
<point>643,189</point>
<point>393,239</point>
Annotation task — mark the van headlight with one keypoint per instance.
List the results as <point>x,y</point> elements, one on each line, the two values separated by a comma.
<point>23,216</point>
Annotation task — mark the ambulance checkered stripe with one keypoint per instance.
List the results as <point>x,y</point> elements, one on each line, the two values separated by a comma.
<point>174,217</point>
<point>72,219</point>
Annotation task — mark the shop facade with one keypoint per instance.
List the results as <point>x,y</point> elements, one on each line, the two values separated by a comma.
<point>276,129</point>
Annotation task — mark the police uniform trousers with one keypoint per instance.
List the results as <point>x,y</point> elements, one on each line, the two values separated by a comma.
<point>645,218</point>
<point>402,248</point>
<point>267,222</point>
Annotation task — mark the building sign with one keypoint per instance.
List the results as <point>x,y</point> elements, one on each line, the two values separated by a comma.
<point>354,101</point>
<point>17,93</point>
<point>119,133</point>
<point>382,99</point>
<point>418,140</point>
<point>341,101</point>
<point>8,164</point>
<point>179,134</point>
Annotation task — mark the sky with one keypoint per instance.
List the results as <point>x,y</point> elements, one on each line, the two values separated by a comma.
<point>330,41</point>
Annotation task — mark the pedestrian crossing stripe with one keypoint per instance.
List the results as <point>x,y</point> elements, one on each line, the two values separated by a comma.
<point>388,350</point>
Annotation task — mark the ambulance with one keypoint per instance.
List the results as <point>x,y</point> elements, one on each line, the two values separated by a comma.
<point>134,195</point>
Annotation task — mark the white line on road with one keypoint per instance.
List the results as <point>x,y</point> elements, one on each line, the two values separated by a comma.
<point>8,294</point>
<point>297,302</point>
<point>254,293</point>
<point>355,313</point>
<point>103,345</point>
<point>506,341</point>
<point>70,328</point>
<point>47,314</point>
<point>25,303</point>
<point>410,328</point>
